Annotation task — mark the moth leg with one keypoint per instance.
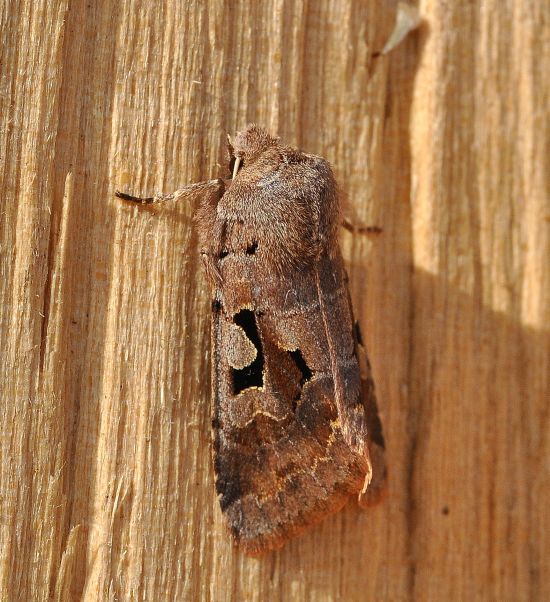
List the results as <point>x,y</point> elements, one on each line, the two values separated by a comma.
<point>355,229</point>
<point>184,192</point>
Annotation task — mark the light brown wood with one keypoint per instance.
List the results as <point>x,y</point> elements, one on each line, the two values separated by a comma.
<point>106,485</point>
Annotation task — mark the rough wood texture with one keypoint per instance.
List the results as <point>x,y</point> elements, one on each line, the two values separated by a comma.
<point>106,482</point>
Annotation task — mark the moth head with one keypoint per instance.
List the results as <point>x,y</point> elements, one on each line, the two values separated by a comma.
<point>247,146</point>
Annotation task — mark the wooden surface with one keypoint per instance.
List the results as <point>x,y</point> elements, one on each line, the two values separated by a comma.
<point>106,482</point>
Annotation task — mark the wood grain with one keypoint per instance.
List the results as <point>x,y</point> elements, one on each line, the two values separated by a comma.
<point>106,485</point>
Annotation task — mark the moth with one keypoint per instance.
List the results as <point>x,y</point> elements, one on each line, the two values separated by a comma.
<point>295,422</point>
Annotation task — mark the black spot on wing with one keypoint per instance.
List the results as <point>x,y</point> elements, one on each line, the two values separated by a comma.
<point>252,248</point>
<point>251,375</point>
<point>306,372</point>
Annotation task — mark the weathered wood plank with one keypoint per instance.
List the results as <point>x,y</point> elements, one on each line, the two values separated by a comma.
<point>105,475</point>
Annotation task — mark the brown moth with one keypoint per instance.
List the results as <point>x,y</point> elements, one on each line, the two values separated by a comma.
<point>295,420</point>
